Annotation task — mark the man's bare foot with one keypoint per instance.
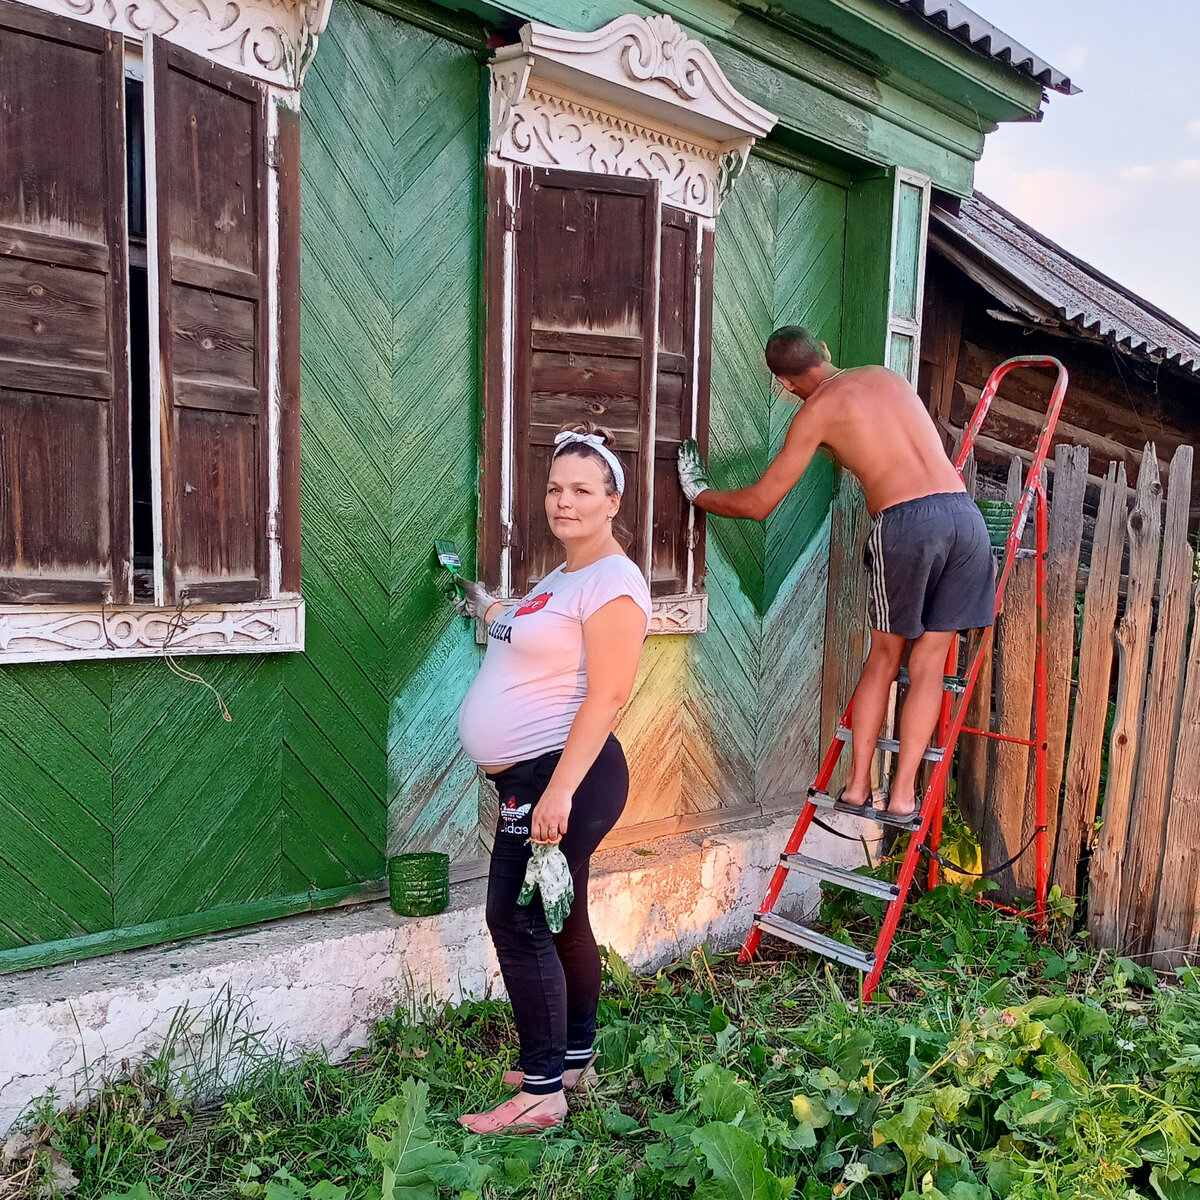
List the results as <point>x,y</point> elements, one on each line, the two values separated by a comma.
<point>523,1113</point>
<point>901,805</point>
<point>852,799</point>
<point>584,1077</point>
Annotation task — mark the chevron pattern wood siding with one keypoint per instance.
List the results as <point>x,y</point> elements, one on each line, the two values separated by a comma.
<point>130,805</point>
<point>732,718</point>
<point>335,777</point>
<point>433,789</point>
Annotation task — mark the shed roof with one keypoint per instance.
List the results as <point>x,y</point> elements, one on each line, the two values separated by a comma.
<point>1041,281</point>
<point>968,27</point>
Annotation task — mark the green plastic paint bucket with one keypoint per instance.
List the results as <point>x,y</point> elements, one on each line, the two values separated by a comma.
<point>419,884</point>
<point>998,517</point>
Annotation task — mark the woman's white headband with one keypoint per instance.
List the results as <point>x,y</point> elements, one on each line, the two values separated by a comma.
<point>596,442</point>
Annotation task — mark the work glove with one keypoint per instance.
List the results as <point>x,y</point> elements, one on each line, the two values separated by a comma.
<point>693,475</point>
<point>471,599</point>
<point>548,873</point>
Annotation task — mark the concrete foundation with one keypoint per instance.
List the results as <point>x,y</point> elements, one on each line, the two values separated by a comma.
<point>321,981</point>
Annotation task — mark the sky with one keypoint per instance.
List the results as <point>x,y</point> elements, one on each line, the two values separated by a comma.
<point>1111,174</point>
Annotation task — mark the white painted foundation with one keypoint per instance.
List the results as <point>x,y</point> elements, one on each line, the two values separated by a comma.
<point>321,981</point>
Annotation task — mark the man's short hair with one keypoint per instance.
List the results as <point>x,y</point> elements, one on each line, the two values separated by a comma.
<point>791,351</point>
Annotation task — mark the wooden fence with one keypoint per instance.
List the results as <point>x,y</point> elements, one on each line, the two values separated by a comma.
<point>1123,706</point>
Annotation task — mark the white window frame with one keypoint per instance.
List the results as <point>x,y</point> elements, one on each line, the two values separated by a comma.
<point>901,324</point>
<point>637,97</point>
<point>274,624</point>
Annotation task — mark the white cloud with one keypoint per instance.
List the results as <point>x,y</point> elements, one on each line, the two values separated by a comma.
<point>1054,198</point>
<point>1194,128</point>
<point>1134,223</point>
<point>1072,59</point>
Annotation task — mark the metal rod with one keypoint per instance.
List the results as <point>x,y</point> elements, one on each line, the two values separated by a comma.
<point>999,737</point>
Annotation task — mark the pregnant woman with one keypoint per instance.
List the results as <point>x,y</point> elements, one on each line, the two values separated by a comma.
<point>538,719</point>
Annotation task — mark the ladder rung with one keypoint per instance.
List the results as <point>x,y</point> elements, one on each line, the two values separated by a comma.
<point>826,801</point>
<point>931,754</point>
<point>950,683</point>
<point>810,939</point>
<point>840,876</point>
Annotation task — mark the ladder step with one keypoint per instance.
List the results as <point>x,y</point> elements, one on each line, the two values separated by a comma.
<point>840,876</point>
<point>810,939</point>
<point>879,816</point>
<point>932,753</point>
<point>950,683</point>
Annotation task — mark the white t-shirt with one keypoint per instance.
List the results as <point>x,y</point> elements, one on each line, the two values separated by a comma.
<point>534,677</point>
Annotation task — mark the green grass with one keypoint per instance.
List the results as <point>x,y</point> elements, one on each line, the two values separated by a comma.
<point>991,1064</point>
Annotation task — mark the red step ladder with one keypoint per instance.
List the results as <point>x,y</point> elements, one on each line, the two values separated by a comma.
<point>926,824</point>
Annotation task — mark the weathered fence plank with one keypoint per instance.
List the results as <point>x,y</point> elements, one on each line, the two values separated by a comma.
<point>1016,632</point>
<point>845,608</point>
<point>1066,537</point>
<point>1095,675</point>
<point>1164,694</point>
<point>973,754</point>
<point>1177,920</point>
<point>1133,650</point>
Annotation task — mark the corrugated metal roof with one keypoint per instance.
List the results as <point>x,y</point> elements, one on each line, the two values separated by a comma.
<point>968,27</point>
<point>1037,269</point>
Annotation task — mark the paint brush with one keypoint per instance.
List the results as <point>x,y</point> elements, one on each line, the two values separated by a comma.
<point>447,556</point>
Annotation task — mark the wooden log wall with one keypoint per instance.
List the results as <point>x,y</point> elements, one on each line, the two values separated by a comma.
<point>1114,406</point>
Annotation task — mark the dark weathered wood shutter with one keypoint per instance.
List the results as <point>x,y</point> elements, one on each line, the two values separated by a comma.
<point>585,322</point>
<point>680,368</point>
<point>64,371</point>
<point>210,164</point>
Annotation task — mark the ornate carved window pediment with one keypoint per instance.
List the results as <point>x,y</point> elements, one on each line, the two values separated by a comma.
<point>638,97</point>
<point>270,40</point>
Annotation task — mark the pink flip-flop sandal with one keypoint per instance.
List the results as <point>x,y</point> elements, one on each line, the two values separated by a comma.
<point>513,1117</point>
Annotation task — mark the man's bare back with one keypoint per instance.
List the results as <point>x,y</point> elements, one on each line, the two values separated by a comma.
<point>874,424</point>
<point>877,428</point>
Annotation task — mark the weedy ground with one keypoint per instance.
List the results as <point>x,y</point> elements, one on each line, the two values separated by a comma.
<point>991,1065</point>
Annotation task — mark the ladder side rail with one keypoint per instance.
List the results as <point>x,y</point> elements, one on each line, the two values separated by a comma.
<point>908,867</point>
<point>1041,685</point>
<point>1042,450</point>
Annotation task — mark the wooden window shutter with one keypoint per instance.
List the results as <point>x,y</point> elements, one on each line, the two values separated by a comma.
<point>682,363</point>
<point>585,323</point>
<point>209,280</point>
<point>64,369</point>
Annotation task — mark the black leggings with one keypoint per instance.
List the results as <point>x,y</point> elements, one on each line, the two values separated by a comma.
<point>553,979</point>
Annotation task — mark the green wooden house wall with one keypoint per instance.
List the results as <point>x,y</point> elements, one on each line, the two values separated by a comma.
<point>133,812</point>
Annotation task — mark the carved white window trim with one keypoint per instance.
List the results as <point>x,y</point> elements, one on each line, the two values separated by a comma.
<point>270,40</point>
<point>638,97</point>
<point>275,624</point>
<point>76,632</point>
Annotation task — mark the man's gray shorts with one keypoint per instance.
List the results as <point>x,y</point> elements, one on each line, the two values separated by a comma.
<point>929,567</point>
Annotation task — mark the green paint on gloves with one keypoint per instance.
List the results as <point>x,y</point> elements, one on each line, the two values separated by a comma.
<point>549,874</point>
<point>471,599</point>
<point>693,475</point>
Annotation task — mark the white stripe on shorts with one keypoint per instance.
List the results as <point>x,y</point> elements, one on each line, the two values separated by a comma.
<point>879,580</point>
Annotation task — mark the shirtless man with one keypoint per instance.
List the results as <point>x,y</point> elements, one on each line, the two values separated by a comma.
<point>929,565</point>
